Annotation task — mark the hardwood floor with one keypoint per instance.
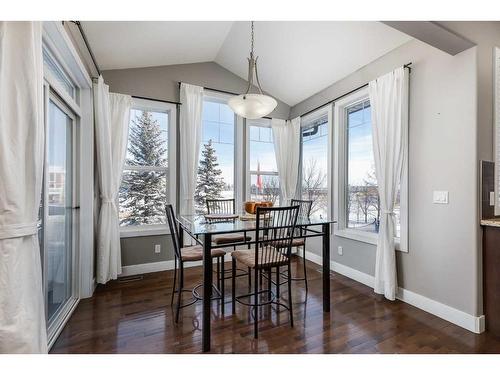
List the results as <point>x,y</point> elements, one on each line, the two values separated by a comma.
<point>136,317</point>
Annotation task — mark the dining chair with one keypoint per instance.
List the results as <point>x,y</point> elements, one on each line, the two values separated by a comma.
<point>184,255</point>
<point>224,207</point>
<point>275,227</point>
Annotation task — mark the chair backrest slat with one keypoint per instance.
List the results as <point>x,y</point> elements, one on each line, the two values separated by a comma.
<point>305,207</point>
<point>275,227</point>
<point>172,224</point>
<point>220,206</point>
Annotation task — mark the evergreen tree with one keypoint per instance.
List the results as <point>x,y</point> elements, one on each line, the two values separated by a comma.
<point>143,193</point>
<point>210,182</point>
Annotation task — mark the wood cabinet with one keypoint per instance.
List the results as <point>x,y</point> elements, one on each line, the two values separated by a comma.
<point>491,278</point>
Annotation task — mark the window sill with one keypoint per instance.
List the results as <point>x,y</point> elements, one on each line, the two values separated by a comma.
<point>369,238</point>
<point>153,230</point>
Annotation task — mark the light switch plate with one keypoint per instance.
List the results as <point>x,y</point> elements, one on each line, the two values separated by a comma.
<point>340,250</point>
<point>440,197</point>
<point>157,249</point>
<point>492,198</point>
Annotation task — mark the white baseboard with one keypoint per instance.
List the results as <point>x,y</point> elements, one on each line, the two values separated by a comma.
<point>472,323</point>
<point>138,269</point>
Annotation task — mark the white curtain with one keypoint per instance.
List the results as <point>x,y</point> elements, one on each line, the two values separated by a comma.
<point>112,115</point>
<point>286,136</point>
<point>389,103</point>
<point>190,138</point>
<point>22,311</point>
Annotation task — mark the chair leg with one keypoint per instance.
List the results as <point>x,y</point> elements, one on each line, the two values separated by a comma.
<point>222,300</point>
<point>305,268</point>
<point>249,279</point>
<point>181,286</point>
<point>175,280</point>
<point>233,286</point>
<point>277,283</point>
<point>256,310</point>
<point>269,283</point>
<point>290,294</point>
<point>218,273</point>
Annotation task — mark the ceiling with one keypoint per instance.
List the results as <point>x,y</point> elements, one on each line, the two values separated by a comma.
<point>296,58</point>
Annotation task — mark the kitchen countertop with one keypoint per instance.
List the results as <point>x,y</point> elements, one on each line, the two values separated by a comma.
<point>491,222</point>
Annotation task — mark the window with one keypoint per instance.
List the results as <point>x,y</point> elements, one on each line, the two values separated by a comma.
<point>262,170</point>
<point>359,202</point>
<point>216,167</point>
<point>58,77</point>
<point>148,178</point>
<point>314,178</point>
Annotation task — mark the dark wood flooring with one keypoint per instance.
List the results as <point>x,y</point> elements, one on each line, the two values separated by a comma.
<point>136,317</point>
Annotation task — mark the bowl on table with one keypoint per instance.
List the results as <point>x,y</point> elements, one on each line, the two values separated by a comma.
<point>251,206</point>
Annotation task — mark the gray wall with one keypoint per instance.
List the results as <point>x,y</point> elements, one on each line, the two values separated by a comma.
<point>139,250</point>
<point>161,82</point>
<point>443,249</point>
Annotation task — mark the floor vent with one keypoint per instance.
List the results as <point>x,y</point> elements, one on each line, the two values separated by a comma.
<point>128,279</point>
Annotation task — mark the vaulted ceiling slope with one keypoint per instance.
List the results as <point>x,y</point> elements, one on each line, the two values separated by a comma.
<point>296,58</point>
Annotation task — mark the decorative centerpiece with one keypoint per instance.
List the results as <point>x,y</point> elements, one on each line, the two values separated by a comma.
<point>251,209</point>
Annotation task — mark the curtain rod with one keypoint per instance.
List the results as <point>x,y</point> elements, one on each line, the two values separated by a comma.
<point>406,66</point>
<point>223,92</point>
<point>85,40</point>
<point>156,100</point>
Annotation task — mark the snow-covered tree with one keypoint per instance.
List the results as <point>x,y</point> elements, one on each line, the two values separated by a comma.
<point>143,193</point>
<point>210,183</point>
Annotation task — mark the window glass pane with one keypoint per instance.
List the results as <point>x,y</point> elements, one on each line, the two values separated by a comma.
<point>315,167</point>
<point>143,193</point>
<point>363,205</point>
<point>226,114</point>
<point>210,111</point>
<point>265,134</point>
<point>147,139</point>
<point>261,150</point>
<point>142,197</point>
<point>60,209</point>
<point>265,188</point>
<point>56,72</point>
<point>210,131</point>
<point>254,133</point>
<point>216,167</point>
<point>226,133</point>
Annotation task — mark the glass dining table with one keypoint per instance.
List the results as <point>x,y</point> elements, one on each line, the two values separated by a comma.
<point>202,231</point>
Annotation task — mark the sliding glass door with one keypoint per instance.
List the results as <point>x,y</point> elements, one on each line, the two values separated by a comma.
<point>57,234</point>
<point>59,207</point>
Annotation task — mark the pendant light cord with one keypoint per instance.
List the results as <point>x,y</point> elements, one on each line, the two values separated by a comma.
<point>251,43</point>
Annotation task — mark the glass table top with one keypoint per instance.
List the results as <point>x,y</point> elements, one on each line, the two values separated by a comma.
<point>197,224</point>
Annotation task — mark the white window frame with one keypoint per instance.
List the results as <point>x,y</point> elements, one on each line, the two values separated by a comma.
<point>263,123</point>
<point>306,122</point>
<point>340,171</point>
<point>171,110</point>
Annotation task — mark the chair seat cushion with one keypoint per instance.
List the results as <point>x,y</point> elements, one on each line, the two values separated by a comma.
<point>194,253</point>
<point>230,238</point>
<point>268,257</point>
<point>295,242</point>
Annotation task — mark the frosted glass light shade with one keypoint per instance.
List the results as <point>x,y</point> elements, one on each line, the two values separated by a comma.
<point>252,106</point>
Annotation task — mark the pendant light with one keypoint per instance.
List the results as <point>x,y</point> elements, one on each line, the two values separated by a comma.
<point>248,105</point>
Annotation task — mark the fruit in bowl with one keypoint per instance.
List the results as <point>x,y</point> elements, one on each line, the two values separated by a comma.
<point>251,206</point>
